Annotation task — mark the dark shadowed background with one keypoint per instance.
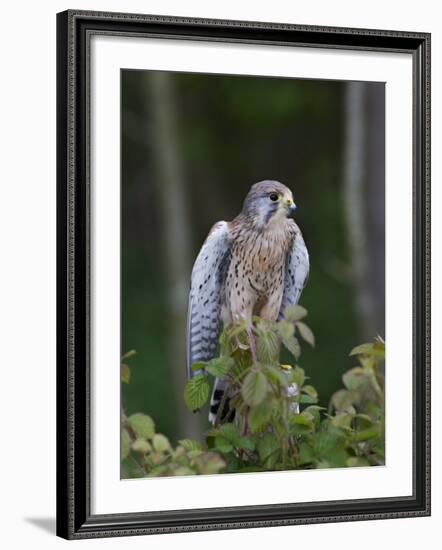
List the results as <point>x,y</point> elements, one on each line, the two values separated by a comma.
<point>192,144</point>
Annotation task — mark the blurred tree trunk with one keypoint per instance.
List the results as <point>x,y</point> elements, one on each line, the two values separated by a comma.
<point>175,217</point>
<point>364,192</point>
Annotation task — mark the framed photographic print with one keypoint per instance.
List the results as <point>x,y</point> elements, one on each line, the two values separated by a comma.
<point>243,274</point>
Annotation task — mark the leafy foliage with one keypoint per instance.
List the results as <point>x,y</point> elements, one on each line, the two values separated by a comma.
<point>146,453</point>
<point>274,420</point>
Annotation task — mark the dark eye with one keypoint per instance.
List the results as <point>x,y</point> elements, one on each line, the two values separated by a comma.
<point>273,197</point>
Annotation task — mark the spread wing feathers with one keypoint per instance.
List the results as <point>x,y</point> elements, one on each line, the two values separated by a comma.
<point>296,273</point>
<point>206,296</point>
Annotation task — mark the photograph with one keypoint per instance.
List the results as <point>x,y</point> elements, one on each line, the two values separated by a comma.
<point>252,274</point>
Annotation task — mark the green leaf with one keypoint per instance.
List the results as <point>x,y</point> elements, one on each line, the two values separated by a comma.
<point>128,354</point>
<point>311,391</point>
<point>302,423</point>
<point>267,347</point>
<point>309,395</point>
<point>357,461</point>
<point>254,388</point>
<point>246,443</point>
<point>286,329</point>
<point>306,454</point>
<point>209,463</point>
<point>277,375</point>
<point>342,421</point>
<point>260,415</point>
<point>369,433</point>
<point>229,431</point>
<point>198,366</point>
<point>268,447</point>
<point>196,392</point>
<point>306,333</point>
<point>294,313</point>
<point>142,425</point>
<point>222,444</point>
<point>297,376</point>
<point>354,378</point>
<point>190,444</point>
<point>220,366</point>
<point>292,344</point>
<point>125,373</point>
<point>307,399</point>
<point>183,471</point>
<point>160,443</point>
<point>125,443</point>
<point>314,410</point>
<point>377,349</point>
<point>343,400</point>
<point>141,446</point>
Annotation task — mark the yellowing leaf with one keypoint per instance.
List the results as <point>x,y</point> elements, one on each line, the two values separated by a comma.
<point>142,425</point>
<point>160,443</point>
<point>306,333</point>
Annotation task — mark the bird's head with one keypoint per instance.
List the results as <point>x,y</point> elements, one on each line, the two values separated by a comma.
<point>268,204</point>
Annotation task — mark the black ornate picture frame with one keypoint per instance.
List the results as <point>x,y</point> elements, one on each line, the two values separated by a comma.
<point>74,518</point>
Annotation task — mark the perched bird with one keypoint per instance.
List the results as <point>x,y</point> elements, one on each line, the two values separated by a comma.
<point>256,264</point>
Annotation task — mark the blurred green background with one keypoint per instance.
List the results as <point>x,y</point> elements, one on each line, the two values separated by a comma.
<point>192,144</point>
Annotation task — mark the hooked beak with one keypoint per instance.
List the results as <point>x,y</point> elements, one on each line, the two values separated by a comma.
<point>291,210</point>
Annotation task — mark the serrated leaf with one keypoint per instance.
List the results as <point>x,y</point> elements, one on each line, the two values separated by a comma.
<point>254,388</point>
<point>160,443</point>
<point>260,415</point>
<point>294,313</point>
<point>292,344</point>
<point>190,444</point>
<point>306,333</point>
<point>142,425</point>
<point>220,366</point>
<point>285,329</point>
<point>125,373</point>
<point>267,347</point>
<point>229,431</point>
<point>196,392</point>
<point>125,443</point>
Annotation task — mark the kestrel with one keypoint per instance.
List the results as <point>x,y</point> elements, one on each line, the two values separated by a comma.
<point>256,264</point>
